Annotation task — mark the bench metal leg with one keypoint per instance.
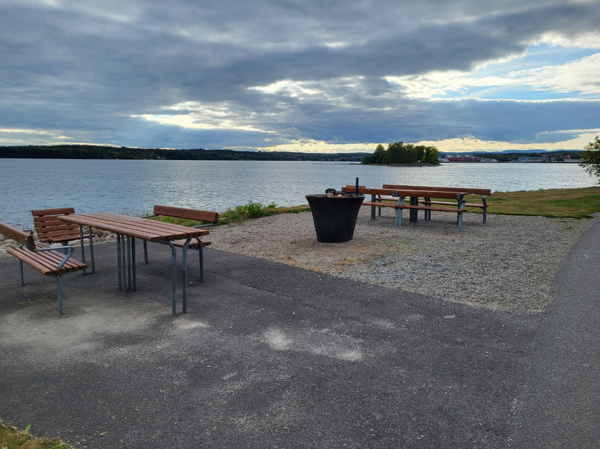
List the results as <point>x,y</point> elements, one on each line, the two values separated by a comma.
<point>460,222</point>
<point>174,277</point>
<point>398,220</point>
<point>21,269</point>
<point>145,252</point>
<point>59,288</point>
<point>484,215</point>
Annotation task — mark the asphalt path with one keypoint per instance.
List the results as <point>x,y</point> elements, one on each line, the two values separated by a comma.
<point>272,356</point>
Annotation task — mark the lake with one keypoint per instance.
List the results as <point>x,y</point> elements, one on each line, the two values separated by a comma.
<point>134,186</point>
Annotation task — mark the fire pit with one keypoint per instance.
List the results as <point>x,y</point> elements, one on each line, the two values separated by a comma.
<point>334,215</point>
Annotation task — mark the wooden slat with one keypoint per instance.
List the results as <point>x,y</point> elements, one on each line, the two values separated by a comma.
<point>411,193</point>
<point>34,263</point>
<point>61,211</point>
<point>153,230</point>
<point>157,225</point>
<point>24,238</point>
<point>440,209</point>
<point>482,206</point>
<point>191,214</point>
<point>446,189</point>
<point>135,227</point>
<point>369,203</point>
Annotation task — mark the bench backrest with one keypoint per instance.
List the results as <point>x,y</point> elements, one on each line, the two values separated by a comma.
<point>24,238</point>
<point>447,189</point>
<point>190,214</point>
<point>48,226</point>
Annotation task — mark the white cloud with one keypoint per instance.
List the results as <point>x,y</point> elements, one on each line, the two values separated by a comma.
<point>574,77</point>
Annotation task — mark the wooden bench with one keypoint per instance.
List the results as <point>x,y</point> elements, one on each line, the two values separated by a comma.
<point>427,201</point>
<point>50,229</point>
<point>209,218</point>
<point>43,260</point>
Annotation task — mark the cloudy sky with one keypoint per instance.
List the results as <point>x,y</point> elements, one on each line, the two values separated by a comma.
<point>300,74</point>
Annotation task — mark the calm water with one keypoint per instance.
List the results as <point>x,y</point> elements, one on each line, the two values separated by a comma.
<point>136,186</point>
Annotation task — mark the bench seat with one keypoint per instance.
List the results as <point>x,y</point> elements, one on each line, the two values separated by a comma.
<point>49,261</point>
<point>210,218</point>
<point>46,262</point>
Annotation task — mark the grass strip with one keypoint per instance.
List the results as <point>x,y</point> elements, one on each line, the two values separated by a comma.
<point>239,214</point>
<point>12,438</point>
<point>552,203</point>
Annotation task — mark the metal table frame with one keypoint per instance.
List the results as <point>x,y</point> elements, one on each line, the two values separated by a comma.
<point>126,257</point>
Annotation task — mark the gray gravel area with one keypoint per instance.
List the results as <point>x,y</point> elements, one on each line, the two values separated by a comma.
<point>507,264</point>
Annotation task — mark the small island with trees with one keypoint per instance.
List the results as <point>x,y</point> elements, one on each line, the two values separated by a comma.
<point>400,153</point>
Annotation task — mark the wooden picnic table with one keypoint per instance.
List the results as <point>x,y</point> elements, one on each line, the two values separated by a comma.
<point>130,228</point>
<point>413,207</point>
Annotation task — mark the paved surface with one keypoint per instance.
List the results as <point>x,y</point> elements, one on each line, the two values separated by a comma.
<point>273,356</point>
<point>559,401</point>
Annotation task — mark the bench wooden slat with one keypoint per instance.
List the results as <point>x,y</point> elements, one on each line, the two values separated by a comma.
<point>46,262</point>
<point>60,211</point>
<point>191,214</point>
<point>451,204</point>
<point>32,262</point>
<point>56,257</point>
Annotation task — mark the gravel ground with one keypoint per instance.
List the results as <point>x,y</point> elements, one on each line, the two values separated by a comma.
<point>507,264</point>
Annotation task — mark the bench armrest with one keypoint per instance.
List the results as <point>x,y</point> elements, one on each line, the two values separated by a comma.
<point>65,259</point>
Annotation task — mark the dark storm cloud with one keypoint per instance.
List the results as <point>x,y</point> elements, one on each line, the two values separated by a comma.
<point>86,68</point>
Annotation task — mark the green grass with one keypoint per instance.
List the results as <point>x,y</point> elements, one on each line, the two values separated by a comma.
<point>11,438</point>
<point>554,203</point>
<point>240,214</point>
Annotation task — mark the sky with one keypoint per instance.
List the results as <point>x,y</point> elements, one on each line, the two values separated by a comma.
<point>301,75</point>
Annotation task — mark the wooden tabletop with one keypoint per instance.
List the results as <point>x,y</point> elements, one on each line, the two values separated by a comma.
<point>139,228</point>
<point>402,192</point>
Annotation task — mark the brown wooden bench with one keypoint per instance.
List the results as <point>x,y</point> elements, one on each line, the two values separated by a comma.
<point>427,201</point>
<point>209,219</point>
<point>50,229</point>
<point>43,260</point>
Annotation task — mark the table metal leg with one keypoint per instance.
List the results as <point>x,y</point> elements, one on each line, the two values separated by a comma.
<point>414,201</point>
<point>145,252</point>
<point>373,207</point>
<point>174,277</point>
<point>129,287</point>
<point>184,266</point>
<point>119,267</point>
<point>91,249</point>
<point>133,272</point>
<point>82,247</point>
<point>124,262</point>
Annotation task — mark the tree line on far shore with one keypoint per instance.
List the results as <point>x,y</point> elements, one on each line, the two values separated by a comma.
<point>106,152</point>
<point>403,153</point>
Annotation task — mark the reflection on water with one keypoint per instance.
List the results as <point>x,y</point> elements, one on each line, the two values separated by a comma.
<point>136,186</point>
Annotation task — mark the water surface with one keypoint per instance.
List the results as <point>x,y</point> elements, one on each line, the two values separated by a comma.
<point>127,186</point>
